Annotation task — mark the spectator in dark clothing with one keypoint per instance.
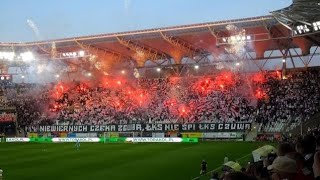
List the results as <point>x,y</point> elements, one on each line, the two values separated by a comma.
<point>284,149</point>
<point>238,176</point>
<point>214,176</point>
<point>303,172</point>
<point>308,150</point>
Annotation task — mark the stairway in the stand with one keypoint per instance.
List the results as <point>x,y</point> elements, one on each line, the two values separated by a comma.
<point>313,122</point>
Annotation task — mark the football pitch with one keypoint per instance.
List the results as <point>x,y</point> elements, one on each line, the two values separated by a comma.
<point>143,161</point>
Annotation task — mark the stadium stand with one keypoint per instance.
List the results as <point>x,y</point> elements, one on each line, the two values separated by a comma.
<point>273,102</point>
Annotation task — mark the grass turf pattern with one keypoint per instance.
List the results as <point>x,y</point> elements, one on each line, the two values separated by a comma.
<point>143,161</point>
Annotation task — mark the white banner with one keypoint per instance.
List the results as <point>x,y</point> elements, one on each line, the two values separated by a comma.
<point>17,139</point>
<point>75,140</point>
<point>146,140</point>
<point>85,135</point>
<point>220,135</point>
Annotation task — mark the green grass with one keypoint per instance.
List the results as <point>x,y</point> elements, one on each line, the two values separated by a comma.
<point>115,161</point>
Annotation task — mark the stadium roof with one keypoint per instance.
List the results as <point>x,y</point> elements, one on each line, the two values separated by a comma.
<point>263,33</point>
<point>300,12</point>
<point>154,33</point>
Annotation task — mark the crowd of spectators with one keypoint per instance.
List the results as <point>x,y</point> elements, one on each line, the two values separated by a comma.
<point>295,159</point>
<point>294,99</point>
<point>225,97</point>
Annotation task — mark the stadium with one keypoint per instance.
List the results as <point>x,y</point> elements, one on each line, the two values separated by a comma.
<point>233,99</point>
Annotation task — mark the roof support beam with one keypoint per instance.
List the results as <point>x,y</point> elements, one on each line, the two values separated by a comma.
<point>96,50</point>
<point>106,58</point>
<point>184,48</point>
<point>213,33</point>
<point>143,53</point>
<point>314,52</point>
<point>114,53</point>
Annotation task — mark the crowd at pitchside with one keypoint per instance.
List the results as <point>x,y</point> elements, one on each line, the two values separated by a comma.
<point>226,97</point>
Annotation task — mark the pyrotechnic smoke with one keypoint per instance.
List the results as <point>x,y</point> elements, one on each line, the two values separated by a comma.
<point>237,46</point>
<point>34,28</point>
<point>127,4</point>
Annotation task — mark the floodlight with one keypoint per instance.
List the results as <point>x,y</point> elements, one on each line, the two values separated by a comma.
<point>81,53</point>
<point>196,66</point>
<point>316,25</point>
<point>7,55</point>
<point>11,56</point>
<point>158,69</point>
<point>27,56</point>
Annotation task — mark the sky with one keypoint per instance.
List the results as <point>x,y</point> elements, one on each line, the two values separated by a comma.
<point>32,20</point>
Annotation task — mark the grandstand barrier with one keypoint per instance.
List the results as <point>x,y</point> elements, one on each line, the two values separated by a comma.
<point>101,140</point>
